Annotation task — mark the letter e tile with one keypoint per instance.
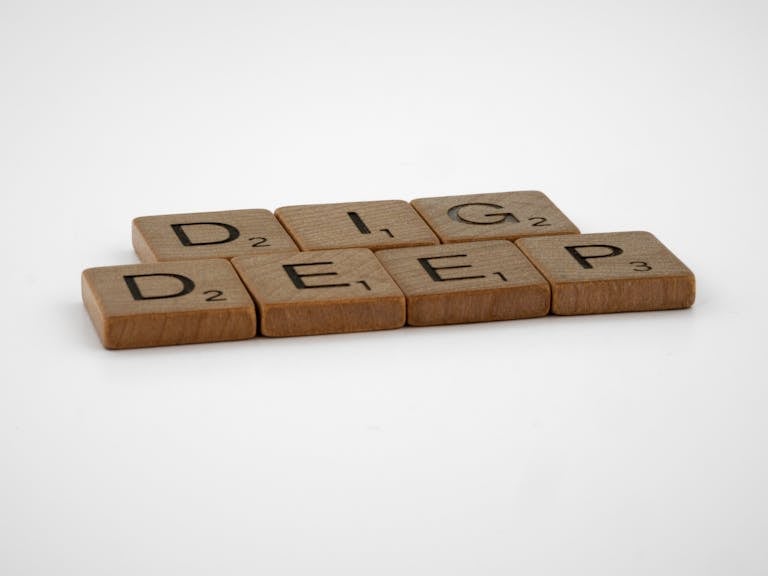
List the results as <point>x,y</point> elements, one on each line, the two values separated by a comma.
<point>467,282</point>
<point>322,292</point>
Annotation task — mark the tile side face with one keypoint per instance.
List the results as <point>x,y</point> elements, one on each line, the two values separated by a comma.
<point>501,215</point>
<point>611,272</point>
<point>161,304</point>
<point>322,292</point>
<point>467,282</point>
<point>374,225</point>
<point>208,235</point>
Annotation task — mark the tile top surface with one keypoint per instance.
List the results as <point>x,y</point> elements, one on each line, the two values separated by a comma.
<point>587,257</point>
<point>205,235</point>
<point>459,267</point>
<point>374,225</point>
<point>500,215</point>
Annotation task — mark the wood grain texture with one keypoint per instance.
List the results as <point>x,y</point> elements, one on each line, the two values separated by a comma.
<point>610,272</point>
<point>168,303</point>
<point>205,235</point>
<point>467,282</point>
<point>500,215</point>
<point>322,292</point>
<point>374,225</point>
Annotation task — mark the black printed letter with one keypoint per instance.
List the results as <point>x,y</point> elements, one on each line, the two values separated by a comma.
<point>358,222</point>
<point>297,278</point>
<point>435,275</point>
<point>186,286</point>
<point>232,233</point>
<point>584,260</point>
<point>454,214</point>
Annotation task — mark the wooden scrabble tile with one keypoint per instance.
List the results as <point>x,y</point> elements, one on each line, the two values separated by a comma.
<point>168,303</point>
<point>206,235</point>
<point>501,215</point>
<point>322,292</point>
<point>374,225</point>
<point>467,282</point>
<point>612,272</point>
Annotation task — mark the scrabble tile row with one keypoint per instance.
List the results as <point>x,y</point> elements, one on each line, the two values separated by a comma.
<point>376,225</point>
<point>290,293</point>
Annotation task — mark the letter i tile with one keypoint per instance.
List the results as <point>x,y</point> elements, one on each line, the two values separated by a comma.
<point>610,272</point>
<point>375,225</point>
<point>168,303</point>
<point>206,235</point>
<point>322,292</point>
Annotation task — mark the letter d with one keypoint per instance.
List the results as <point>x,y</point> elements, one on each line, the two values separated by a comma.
<point>232,233</point>
<point>130,280</point>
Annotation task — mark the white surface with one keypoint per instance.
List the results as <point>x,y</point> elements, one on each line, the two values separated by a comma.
<point>620,444</point>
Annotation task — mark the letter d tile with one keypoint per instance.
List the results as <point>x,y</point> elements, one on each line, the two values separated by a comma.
<point>168,303</point>
<point>204,235</point>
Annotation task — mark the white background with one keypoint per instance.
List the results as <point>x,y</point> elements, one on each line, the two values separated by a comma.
<point>617,444</point>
